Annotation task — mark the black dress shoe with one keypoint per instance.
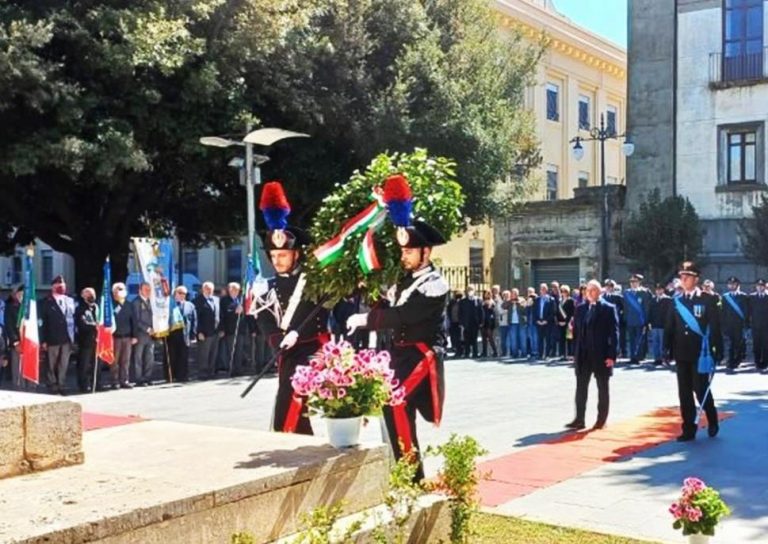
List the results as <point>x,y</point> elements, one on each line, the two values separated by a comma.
<point>686,437</point>
<point>598,425</point>
<point>575,425</point>
<point>712,430</point>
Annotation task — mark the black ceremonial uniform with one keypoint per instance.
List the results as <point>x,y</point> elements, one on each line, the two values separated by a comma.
<point>416,317</point>
<point>684,346</point>
<point>290,413</point>
<point>758,306</point>
<point>734,325</point>
<point>617,299</point>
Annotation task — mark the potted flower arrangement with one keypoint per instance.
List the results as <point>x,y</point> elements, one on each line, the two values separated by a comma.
<point>344,386</point>
<point>698,511</point>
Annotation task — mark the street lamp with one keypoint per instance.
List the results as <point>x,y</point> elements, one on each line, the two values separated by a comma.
<point>250,170</point>
<point>601,134</point>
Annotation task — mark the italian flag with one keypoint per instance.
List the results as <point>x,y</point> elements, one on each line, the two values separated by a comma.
<point>30,339</point>
<point>366,254</point>
<point>105,344</point>
<point>333,248</point>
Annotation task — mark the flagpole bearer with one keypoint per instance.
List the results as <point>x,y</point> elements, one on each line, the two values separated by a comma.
<point>105,343</point>
<point>30,337</point>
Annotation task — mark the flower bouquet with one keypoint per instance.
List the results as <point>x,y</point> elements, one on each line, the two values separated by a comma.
<point>343,386</point>
<point>698,511</point>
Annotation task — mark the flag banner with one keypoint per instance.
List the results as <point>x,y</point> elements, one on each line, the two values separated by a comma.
<point>155,259</point>
<point>30,339</point>
<point>105,345</point>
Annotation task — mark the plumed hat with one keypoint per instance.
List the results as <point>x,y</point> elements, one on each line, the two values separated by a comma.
<point>275,208</point>
<point>399,200</point>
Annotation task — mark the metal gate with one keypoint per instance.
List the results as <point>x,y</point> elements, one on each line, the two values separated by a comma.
<point>560,270</point>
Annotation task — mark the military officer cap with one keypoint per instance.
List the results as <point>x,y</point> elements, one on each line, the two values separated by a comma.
<point>636,277</point>
<point>276,209</point>
<point>608,282</point>
<point>399,200</point>
<point>733,279</point>
<point>689,268</point>
<point>660,286</point>
<point>760,282</point>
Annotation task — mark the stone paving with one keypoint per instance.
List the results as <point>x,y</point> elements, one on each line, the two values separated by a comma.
<point>512,405</point>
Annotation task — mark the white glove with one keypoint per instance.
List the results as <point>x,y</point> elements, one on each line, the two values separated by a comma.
<point>289,340</point>
<point>356,321</point>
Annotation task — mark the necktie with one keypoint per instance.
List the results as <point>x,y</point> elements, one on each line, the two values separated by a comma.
<point>591,311</point>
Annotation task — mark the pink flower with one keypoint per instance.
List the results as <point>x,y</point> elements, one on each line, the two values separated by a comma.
<point>676,511</point>
<point>341,393</point>
<point>693,513</point>
<point>693,485</point>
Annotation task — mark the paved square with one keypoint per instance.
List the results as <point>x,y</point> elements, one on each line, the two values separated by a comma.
<point>511,406</point>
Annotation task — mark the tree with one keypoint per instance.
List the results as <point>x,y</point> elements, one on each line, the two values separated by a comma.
<point>104,102</point>
<point>661,235</point>
<point>754,234</point>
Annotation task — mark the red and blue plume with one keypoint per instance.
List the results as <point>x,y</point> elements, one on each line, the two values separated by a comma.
<point>399,199</point>
<point>274,206</point>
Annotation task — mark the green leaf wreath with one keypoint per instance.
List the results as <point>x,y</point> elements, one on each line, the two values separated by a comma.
<point>437,199</point>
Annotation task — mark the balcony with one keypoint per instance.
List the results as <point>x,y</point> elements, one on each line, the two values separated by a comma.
<point>739,70</point>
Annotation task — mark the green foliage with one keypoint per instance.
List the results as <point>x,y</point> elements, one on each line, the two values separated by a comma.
<point>400,501</point>
<point>242,538</point>
<point>661,235</point>
<point>754,234</point>
<point>709,506</point>
<point>459,478</point>
<point>437,199</point>
<point>318,526</point>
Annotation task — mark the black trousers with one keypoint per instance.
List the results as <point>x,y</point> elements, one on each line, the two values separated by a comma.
<point>283,401</point>
<point>470,341</point>
<point>690,382</point>
<point>760,346</point>
<point>734,338</point>
<point>86,353</point>
<point>455,333</point>
<point>178,352</point>
<point>582,392</point>
<point>389,420</point>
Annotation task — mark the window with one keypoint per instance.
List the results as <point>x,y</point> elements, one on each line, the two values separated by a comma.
<point>742,39</point>
<point>189,262</point>
<point>18,269</point>
<point>234,264</point>
<point>476,265</point>
<point>553,104</point>
<point>583,179</point>
<point>610,120</point>
<point>584,122</point>
<point>551,182</point>
<point>47,267</point>
<point>742,153</point>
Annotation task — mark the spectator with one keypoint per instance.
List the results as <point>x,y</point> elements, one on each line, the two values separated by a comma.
<point>454,323</point>
<point>144,347</point>
<point>489,324</point>
<point>544,315</point>
<point>503,323</point>
<point>207,307</point>
<point>554,330</point>
<point>471,317</point>
<point>661,305</point>
<point>565,311</point>
<point>86,323</point>
<point>57,333</point>
<point>124,338</point>
<point>183,331</point>
<point>13,337</point>
<point>613,295</point>
<point>234,329</point>
<point>533,331</point>
<point>517,318</point>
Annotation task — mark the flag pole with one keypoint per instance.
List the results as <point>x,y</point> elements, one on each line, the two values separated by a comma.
<point>95,370</point>
<point>168,358</point>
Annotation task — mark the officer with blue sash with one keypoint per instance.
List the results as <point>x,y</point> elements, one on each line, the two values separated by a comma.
<point>693,338</point>
<point>758,319</point>
<point>637,308</point>
<point>735,319</point>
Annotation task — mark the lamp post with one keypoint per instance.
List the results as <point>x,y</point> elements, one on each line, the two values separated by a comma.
<point>250,170</point>
<point>601,134</point>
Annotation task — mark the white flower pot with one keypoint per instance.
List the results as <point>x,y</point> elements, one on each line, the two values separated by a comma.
<point>344,432</point>
<point>698,539</point>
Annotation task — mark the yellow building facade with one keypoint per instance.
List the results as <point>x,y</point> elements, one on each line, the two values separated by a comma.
<point>580,76</point>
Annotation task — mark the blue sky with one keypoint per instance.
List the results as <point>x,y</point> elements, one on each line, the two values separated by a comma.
<point>605,17</point>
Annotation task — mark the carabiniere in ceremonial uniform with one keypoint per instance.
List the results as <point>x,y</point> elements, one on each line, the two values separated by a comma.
<point>416,317</point>
<point>287,308</point>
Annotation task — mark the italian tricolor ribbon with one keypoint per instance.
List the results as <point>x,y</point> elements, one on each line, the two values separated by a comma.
<point>366,254</point>
<point>368,218</point>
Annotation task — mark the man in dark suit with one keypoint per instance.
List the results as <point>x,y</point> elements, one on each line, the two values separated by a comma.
<point>471,318</point>
<point>617,299</point>
<point>544,318</point>
<point>735,321</point>
<point>758,306</point>
<point>57,313</point>
<point>86,322</point>
<point>596,337</point>
<point>144,348</point>
<point>207,308</point>
<point>661,305</point>
<point>183,330</point>
<point>454,323</point>
<point>234,327</point>
<point>684,344</point>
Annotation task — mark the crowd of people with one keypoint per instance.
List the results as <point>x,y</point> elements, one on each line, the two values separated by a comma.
<point>539,324</point>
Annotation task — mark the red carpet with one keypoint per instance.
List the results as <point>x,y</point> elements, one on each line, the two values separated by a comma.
<point>102,421</point>
<point>518,474</point>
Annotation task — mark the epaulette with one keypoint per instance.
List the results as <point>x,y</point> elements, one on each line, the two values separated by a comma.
<point>434,287</point>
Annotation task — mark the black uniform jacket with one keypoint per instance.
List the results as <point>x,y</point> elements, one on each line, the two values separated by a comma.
<point>758,306</point>
<point>684,344</point>
<point>419,319</point>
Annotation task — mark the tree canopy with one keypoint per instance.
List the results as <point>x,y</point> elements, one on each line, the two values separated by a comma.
<point>661,235</point>
<point>754,234</point>
<point>104,103</point>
